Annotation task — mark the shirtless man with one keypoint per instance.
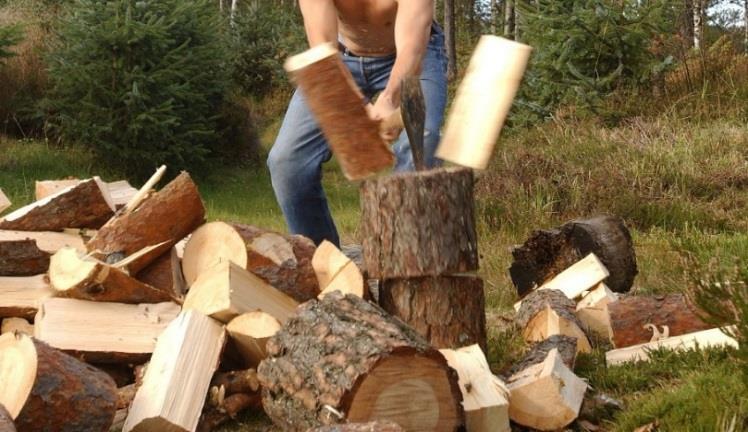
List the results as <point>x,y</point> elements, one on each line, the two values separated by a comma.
<point>381,42</point>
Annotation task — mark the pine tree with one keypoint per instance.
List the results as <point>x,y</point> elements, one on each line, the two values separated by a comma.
<point>9,36</point>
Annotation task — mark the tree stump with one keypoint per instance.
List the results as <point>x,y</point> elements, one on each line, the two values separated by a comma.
<point>165,217</point>
<point>549,252</point>
<point>343,359</point>
<point>283,261</point>
<point>419,224</point>
<point>629,315</point>
<point>22,258</point>
<point>47,390</point>
<point>545,313</point>
<point>449,311</point>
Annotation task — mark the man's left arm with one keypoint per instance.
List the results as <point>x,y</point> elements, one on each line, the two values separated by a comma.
<point>412,33</point>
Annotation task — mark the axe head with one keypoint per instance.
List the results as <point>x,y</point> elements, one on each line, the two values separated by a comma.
<point>339,107</point>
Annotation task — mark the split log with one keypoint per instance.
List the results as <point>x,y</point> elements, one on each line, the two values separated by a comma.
<point>546,396</point>
<point>48,241</point>
<point>165,274</point>
<point>449,311</point>
<point>119,420</point>
<point>19,325</point>
<point>85,278</point>
<point>229,408</point>
<point>375,426</point>
<point>22,258</point>
<point>342,359</point>
<point>186,355</point>
<point>45,188</point>
<point>592,310</point>
<point>103,332</point>
<point>20,296</point>
<point>630,315</point>
<point>484,395</point>
<point>545,313</point>
<point>86,205</point>
<point>6,421</point>
<point>227,290</point>
<point>120,191</point>
<point>338,106</point>
<point>46,390</point>
<point>283,261</point>
<point>548,252</point>
<point>249,333</point>
<point>4,202</point>
<point>419,224</point>
<point>336,272</point>
<point>565,345</point>
<point>164,218</point>
<point>125,395</point>
<point>701,339</point>
<point>233,382</point>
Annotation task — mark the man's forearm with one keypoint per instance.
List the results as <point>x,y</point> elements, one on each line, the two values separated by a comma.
<point>320,21</point>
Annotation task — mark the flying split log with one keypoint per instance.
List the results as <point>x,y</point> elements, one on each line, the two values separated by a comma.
<point>419,224</point>
<point>592,310</point>
<point>702,339</point>
<point>339,108</point>
<point>46,390</point>
<point>249,334</point>
<point>22,258</point>
<point>545,313</point>
<point>545,396</point>
<point>86,278</point>
<point>178,377</point>
<point>227,290</point>
<point>4,202</point>
<point>549,252</point>
<point>85,205</point>
<point>336,272</point>
<point>375,426</point>
<point>19,325</point>
<point>630,316</point>
<point>163,218</point>
<point>120,191</point>
<point>484,395</point>
<point>20,297</point>
<point>342,359</point>
<point>103,332</point>
<point>165,274</point>
<point>6,421</point>
<point>283,261</point>
<point>449,311</point>
<point>48,241</point>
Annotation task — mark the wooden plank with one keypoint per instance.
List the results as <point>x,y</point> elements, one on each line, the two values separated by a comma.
<point>48,241</point>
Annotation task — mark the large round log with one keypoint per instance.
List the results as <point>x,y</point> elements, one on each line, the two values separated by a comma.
<point>449,311</point>
<point>343,359</point>
<point>549,252</point>
<point>549,312</point>
<point>419,224</point>
<point>47,390</point>
<point>283,261</point>
<point>163,218</point>
<point>22,258</point>
<point>630,315</point>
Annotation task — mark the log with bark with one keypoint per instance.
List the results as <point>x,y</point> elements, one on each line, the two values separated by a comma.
<point>485,397</point>
<point>4,202</point>
<point>48,241</point>
<point>249,333</point>
<point>549,252</point>
<point>342,359</point>
<point>565,345</point>
<point>86,278</point>
<point>178,376</point>
<point>163,218</point>
<point>45,389</point>
<point>449,311</point>
<point>228,408</point>
<point>375,426</point>
<point>545,313</point>
<point>19,325</point>
<point>283,261</point>
<point>20,297</point>
<point>545,396</point>
<point>119,191</point>
<point>86,205</point>
<point>103,332</point>
<point>165,274</point>
<point>227,290</point>
<point>336,272</point>
<point>22,258</point>
<point>419,224</point>
<point>6,421</point>
<point>592,310</point>
<point>629,317</point>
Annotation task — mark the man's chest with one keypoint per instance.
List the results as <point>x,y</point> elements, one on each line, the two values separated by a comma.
<point>366,11</point>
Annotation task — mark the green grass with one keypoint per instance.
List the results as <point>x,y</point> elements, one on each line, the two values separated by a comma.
<point>682,187</point>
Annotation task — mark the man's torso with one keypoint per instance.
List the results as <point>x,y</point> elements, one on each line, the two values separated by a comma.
<point>367,27</point>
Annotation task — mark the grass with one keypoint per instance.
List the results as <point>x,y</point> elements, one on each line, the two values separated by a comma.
<point>681,186</point>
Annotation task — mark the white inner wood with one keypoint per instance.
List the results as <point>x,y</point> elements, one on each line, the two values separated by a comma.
<point>18,363</point>
<point>209,245</point>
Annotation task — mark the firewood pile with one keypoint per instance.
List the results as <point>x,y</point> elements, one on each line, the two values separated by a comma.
<point>123,310</point>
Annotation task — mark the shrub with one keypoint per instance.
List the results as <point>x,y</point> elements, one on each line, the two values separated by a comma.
<point>9,36</point>
<point>141,83</point>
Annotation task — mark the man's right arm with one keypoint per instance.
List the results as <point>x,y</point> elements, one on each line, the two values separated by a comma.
<point>320,21</point>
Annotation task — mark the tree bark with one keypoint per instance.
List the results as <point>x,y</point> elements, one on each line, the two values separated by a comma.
<point>566,346</point>
<point>449,311</point>
<point>509,19</point>
<point>22,258</point>
<point>165,274</point>
<point>698,23</point>
<point>629,315</point>
<point>419,224</point>
<point>344,359</point>
<point>55,391</point>
<point>166,216</point>
<point>450,39</point>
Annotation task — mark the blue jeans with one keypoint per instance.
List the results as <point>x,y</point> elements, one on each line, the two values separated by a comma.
<point>296,159</point>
